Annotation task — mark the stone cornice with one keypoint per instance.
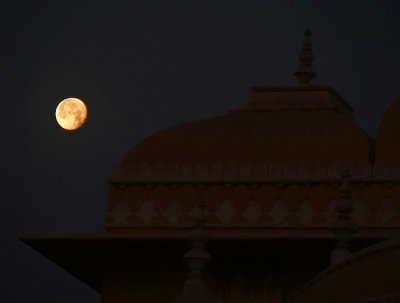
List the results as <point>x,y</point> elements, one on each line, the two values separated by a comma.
<point>249,173</point>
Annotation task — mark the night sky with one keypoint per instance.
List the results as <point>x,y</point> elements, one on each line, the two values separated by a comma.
<point>141,66</point>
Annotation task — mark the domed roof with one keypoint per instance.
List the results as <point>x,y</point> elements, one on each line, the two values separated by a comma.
<point>387,139</point>
<point>285,124</point>
<point>280,131</point>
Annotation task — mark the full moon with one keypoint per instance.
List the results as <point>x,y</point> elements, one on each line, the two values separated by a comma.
<point>71,113</point>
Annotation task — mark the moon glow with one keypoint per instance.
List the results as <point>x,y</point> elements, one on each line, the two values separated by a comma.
<point>71,113</point>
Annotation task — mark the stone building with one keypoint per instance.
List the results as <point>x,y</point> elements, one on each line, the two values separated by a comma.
<point>292,187</point>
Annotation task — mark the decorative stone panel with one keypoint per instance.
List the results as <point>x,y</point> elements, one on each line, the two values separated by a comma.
<point>230,206</point>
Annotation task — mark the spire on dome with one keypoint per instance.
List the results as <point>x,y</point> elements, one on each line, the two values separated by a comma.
<point>304,72</point>
<point>194,290</point>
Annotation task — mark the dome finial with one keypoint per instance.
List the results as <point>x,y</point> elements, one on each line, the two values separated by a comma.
<point>305,73</point>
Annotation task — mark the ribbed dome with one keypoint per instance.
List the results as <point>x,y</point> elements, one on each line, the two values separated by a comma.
<point>388,136</point>
<point>297,124</point>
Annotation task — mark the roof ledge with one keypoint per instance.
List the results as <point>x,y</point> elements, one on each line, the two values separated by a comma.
<point>295,97</point>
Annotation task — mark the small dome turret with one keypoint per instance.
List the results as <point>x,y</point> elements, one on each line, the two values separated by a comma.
<point>388,135</point>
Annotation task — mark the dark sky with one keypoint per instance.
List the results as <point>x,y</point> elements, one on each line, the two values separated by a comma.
<point>141,66</point>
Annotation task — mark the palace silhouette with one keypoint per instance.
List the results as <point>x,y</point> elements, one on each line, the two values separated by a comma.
<point>284,198</point>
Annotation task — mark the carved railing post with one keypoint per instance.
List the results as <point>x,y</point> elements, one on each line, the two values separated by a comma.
<point>194,290</point>
<point>344,226</point>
